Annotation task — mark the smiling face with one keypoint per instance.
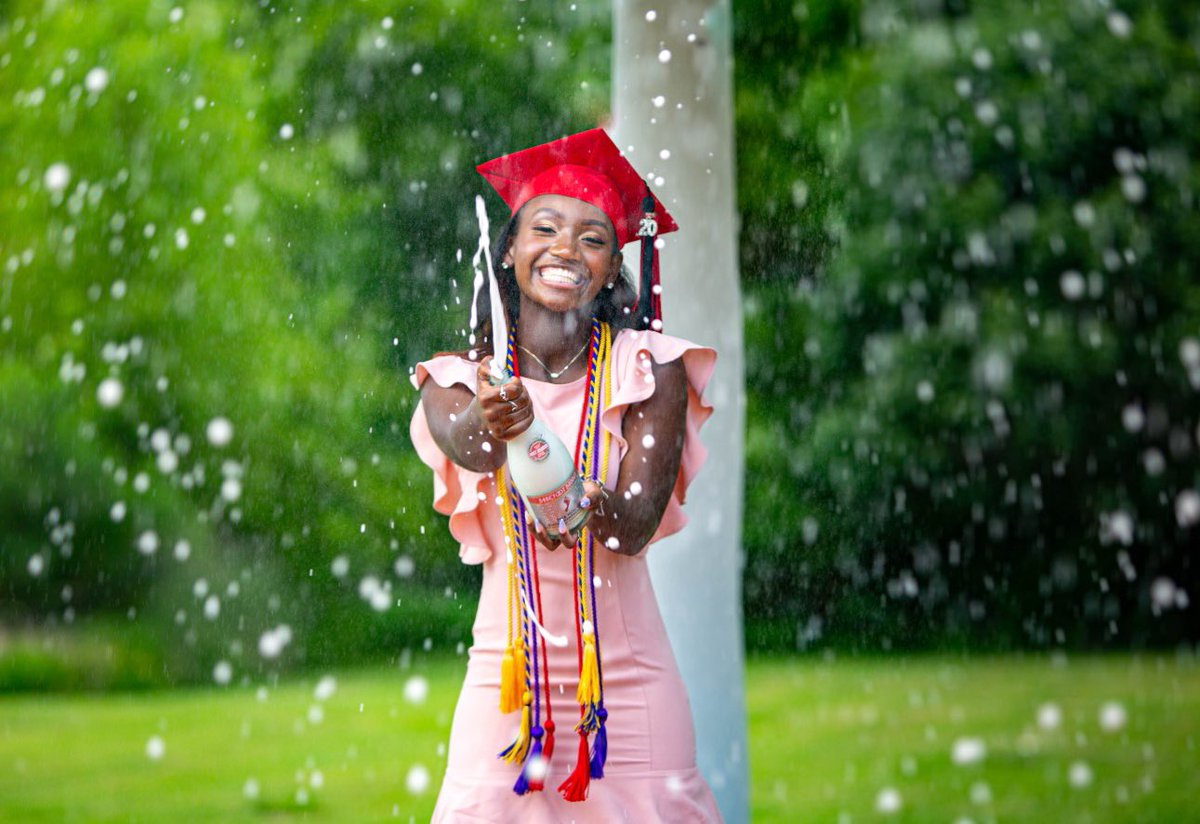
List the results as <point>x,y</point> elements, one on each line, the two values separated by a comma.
<point>563,253</point>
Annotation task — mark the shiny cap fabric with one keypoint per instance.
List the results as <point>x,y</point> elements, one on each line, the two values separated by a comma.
<point>586,166</point>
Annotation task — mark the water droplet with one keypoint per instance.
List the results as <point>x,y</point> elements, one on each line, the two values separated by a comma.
<point>888,801</point>
<point>340,566</point>
<point>1049,716</point>
<point>1187,508</point>
<point>219,432</point>
<point>968,750</point>
<point>417,780</point>
<point>1079,775</point>
<point>109,392</point>
<point>96,80</point>
<point>416,689</point>
<point>147,542</point>
<point>1112,716</point>
<point>1119,24</point>
<point>231,489</point>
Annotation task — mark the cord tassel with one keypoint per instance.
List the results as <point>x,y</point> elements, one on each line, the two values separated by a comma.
<point>535,769</point>
<point>515,752</point>
<point>575,786</point>
<point>600,746</point>
<point>548,749</point>
<point>508,681</point>
<point>521,785</point>
<point>588,691</point>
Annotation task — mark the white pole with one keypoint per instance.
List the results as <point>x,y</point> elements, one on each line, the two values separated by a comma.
<point>673,116</point>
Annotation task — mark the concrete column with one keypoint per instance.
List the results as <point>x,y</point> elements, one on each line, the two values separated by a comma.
<point>673,117</point>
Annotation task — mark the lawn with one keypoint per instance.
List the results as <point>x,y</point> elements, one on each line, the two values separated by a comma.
<point>836,739</point>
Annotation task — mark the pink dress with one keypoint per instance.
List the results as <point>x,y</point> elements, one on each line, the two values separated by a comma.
<point>651,772</point>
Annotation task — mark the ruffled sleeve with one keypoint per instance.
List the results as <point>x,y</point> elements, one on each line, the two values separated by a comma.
<point>457,492</point>
<point>633,356</point>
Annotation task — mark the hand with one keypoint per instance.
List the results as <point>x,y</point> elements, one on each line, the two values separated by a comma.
<point>506,410</point>
<point>592,495</point>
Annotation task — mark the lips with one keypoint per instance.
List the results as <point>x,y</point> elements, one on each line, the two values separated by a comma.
<point>559,277</point>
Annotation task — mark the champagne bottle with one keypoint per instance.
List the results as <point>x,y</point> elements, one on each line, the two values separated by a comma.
<point>543,471</point>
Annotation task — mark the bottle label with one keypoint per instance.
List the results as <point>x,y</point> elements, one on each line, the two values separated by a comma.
<point>539,450</point>
<point>543,501</point>
<point>559,504</point>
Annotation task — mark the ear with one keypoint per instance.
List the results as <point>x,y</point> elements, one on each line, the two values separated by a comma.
<point>614,269</point>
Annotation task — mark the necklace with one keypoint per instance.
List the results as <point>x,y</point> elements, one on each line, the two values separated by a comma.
<point>555,375</point>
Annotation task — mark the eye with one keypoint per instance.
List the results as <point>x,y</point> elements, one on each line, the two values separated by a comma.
<point>544,229</point>
<point>595,242</point>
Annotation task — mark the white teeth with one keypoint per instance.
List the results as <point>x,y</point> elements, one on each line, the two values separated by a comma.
<point>555,274</point>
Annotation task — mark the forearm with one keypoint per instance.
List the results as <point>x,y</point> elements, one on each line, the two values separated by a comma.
<point>469,444</point>
<point>627,519</point>
<point>654,430</point>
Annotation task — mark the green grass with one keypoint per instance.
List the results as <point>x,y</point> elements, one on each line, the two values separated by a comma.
<point>826,737</point>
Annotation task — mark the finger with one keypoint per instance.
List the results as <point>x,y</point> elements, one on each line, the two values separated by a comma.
<point>483,373</point>
<point>591,494</point>
<point>542,537</point>
<point>515,390</point>
<point>517,427</point>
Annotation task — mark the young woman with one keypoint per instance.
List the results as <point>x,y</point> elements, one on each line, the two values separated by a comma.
<point>570,679</point>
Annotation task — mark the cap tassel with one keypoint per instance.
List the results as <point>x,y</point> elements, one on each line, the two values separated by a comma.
<point>575,786</point>
<point>515,752</point>
<point>649,305</point>
<point>600,745</point>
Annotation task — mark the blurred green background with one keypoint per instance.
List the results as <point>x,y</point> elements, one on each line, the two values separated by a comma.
<point>968,245</point>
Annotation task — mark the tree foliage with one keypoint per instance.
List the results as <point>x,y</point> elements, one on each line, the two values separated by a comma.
<point>990,423</point>
<point>247,216</point>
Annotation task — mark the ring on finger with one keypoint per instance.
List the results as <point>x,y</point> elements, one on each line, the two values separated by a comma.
<point>503,394</point>
<point>513,404</point>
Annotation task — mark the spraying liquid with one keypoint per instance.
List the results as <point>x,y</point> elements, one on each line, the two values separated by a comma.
<point>482,252</point>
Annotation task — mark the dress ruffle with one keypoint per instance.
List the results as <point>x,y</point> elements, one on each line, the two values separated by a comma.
<point>457,492</point>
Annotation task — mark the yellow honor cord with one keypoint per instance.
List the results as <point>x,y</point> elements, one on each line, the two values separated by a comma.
<point>512,663</point>
<point>516,752</point>
<point>589,673</point>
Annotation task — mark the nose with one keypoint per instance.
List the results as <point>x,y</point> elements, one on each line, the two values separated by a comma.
<point>565,246</point>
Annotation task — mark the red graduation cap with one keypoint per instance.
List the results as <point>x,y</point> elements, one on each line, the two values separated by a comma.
<point>589,167</point>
